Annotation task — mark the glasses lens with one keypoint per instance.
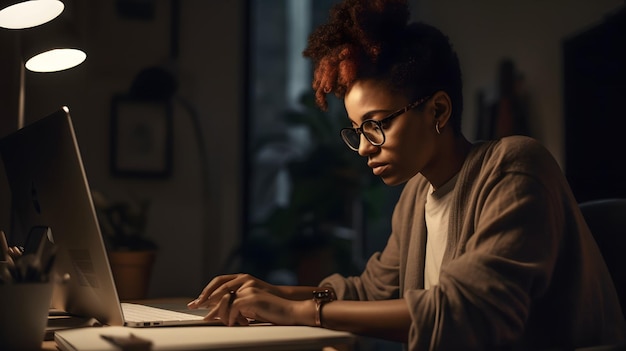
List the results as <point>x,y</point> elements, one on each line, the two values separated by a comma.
<point>373,132</point>
<point>351,138</point>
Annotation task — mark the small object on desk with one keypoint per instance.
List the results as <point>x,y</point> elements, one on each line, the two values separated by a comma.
<point>5,273</point>
<point>129,343</point>
<point>6,261</point>
<point>4,247</point>
<point>31,265</point>
<point>24,314</point>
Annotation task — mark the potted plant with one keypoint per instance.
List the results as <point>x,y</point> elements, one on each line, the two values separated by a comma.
<point>131,253</point>
<point>312,235</point>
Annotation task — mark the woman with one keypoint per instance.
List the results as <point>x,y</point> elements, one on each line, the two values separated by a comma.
<point>488,249</point>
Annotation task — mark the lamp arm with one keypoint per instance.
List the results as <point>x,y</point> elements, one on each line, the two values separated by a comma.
<point>197,128</point>
<point>204,159</point>
<point>22,96</point>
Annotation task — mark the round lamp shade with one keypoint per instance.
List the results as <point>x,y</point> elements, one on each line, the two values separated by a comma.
<point>55,60</point>
<point>27,14</point>
<point>51,47</point>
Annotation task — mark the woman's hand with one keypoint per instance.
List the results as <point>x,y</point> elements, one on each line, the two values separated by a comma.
<point>239,298</point>
<point>220,287</point>
<point>253,303</point>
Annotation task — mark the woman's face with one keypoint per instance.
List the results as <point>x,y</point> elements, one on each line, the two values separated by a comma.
<point>409,146</point>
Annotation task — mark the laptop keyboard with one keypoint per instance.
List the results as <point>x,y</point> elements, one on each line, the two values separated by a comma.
<point>142,313</point>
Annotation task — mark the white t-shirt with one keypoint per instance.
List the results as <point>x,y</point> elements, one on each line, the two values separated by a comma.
<point>437,215</point>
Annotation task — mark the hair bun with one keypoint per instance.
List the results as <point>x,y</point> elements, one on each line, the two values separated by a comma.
<point>373,23</point>
<point>357,31</point>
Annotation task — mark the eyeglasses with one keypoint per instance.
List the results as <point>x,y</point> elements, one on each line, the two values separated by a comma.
<point>373,129</point>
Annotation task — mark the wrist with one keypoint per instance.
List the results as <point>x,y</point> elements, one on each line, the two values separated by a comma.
<point>306,315</point>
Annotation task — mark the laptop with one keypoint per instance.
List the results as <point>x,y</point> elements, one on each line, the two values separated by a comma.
<point>49,188</point>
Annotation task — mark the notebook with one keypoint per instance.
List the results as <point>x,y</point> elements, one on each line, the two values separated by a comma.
<point>49,187</point>
<point>254,338</point>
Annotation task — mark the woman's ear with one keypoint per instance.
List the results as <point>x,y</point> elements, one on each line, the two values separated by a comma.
<point>442,106</point>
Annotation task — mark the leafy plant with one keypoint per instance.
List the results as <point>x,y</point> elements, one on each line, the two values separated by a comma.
<point>327,182</point>
<point>123,223</point>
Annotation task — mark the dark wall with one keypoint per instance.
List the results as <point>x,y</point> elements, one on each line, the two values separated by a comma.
<point>595,109</point>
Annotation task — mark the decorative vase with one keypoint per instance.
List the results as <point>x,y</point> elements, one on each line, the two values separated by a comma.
<point>132,271</point>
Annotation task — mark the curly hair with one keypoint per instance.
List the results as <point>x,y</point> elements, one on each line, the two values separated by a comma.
<point>373,39</point>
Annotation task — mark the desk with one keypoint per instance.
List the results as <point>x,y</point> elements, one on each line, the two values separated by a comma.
<point>254,337</point>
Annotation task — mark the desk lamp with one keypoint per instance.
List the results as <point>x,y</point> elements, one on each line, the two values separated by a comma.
<point>47,48</point>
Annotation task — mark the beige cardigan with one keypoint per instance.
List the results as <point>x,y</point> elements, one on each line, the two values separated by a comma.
<point>521,269</point>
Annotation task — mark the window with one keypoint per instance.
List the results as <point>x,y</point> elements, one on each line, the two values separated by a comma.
<point>308,193</point>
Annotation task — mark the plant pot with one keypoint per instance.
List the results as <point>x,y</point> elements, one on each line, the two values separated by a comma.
<point>132,271</point>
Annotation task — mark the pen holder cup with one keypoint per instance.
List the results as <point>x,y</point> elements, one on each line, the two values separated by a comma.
<point>24,311</point>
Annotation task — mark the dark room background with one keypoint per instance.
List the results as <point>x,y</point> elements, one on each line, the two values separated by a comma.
<point>259,145</point>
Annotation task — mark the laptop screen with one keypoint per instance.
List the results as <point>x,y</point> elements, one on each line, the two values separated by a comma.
<point>49,188</point>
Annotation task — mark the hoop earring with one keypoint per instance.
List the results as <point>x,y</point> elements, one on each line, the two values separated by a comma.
<point>437,128</point>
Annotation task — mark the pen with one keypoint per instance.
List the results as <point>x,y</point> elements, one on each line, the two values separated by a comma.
<point>6,262</point>
<point>129,343</point>
<point>5,274</point>
<point>4,247</point>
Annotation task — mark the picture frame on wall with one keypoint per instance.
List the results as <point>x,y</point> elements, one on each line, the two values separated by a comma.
<point>141,138</point>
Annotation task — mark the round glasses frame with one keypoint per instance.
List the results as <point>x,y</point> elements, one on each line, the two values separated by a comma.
<point>373,129</point>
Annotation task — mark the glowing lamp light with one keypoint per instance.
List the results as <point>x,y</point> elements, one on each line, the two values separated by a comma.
<point>55,60</point>
<point>27,14</point>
